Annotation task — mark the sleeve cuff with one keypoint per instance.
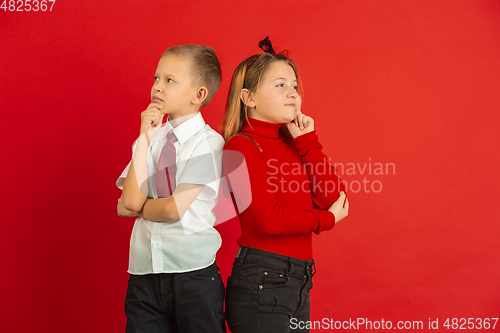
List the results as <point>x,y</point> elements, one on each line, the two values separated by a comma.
<point>306,140</point>
<point>121,179</point>
<point>326,221</point>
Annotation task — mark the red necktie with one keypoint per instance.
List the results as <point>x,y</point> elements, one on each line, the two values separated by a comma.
<point>165,173</point>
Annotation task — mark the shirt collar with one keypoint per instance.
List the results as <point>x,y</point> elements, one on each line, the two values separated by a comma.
<point>187,129</point>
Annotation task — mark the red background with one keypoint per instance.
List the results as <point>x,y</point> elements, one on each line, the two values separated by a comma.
<point>414,83</point>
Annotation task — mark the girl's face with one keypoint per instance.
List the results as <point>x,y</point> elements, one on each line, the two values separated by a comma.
<point>276,99</point>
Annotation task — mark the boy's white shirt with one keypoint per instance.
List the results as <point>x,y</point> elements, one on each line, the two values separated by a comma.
<point>190,243</point>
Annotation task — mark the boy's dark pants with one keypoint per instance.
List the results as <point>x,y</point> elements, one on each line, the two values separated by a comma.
<point>189,302</point>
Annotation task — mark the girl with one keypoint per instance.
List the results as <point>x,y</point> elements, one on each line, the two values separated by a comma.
<point>290,192</point>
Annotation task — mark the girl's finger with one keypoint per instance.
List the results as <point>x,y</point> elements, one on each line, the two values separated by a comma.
<point>302,121</point>
<point>296,120</point>
<point>306,121</point>
<point>289,126</point>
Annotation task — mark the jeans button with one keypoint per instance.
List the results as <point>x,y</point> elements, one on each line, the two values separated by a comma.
<point>260,287</point>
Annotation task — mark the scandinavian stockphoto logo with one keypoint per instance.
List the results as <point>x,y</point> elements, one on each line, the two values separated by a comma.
<point>296,177</point>
<point>235,181</point>
<point>235,194</point>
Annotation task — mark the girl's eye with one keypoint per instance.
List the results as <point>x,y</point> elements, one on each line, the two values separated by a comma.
<point>295,87</point>
<point>170,80</point>
<point>156,78</point>
<point>280,85</point>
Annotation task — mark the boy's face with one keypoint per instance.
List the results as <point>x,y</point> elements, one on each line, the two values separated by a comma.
<point>173,87</point>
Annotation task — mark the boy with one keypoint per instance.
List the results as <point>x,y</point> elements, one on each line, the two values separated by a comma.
<point>172,185</point>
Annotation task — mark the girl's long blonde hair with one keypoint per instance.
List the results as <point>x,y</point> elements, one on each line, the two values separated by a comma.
<point>236,110</point>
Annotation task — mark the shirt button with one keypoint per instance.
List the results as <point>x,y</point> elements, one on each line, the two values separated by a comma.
<point>265,273</point>
<point>155,244</point>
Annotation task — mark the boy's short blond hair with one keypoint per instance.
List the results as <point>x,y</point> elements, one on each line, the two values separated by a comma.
<point>205,66</point>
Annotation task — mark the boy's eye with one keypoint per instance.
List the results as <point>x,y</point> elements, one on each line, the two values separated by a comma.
<point>280,85</point>
<point>295,87</point>
<point>170,80</point>
<point>156,78</point>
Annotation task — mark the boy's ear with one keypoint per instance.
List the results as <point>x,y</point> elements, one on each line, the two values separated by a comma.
<point>200,96</point>
<point>247,98</point>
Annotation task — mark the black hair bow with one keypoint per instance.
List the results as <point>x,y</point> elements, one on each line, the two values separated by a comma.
<point>266,46</point>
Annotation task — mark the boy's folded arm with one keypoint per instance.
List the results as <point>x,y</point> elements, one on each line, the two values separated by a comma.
<point>171,208</point>
<point>122,211</point>
<point>135,186</point>
<point>133,199</point>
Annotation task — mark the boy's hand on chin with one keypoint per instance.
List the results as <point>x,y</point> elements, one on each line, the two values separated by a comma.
<point>151,119</point>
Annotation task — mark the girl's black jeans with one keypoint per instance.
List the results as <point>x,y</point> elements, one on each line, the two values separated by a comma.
<point>268,292</point>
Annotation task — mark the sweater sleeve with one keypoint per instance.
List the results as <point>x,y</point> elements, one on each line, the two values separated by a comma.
<point>325,184</point>
<point>255,198</point>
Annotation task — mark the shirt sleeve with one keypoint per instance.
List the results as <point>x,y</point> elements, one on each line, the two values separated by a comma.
<point>121,180</point>
<point>325,184</point>
<point>204,167</point>
<point>255,198</point>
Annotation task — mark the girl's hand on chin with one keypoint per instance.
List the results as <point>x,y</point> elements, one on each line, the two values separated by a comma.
<point>302,124</point>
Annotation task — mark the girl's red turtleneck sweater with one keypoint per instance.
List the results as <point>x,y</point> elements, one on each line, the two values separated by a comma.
<point>284,192</point>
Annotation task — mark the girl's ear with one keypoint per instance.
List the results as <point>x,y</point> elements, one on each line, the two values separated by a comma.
<point>247,98</point>
<point>200,96</point>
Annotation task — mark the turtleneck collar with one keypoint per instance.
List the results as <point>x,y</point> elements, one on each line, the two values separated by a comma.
<point>261,128</point>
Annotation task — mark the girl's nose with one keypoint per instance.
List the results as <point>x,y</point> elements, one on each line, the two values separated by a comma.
<point>293,93</point>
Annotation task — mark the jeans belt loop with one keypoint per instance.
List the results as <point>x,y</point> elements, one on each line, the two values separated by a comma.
<point>313,268</point>
<point>241,254</point>
<point>289,270</point>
